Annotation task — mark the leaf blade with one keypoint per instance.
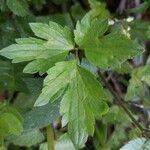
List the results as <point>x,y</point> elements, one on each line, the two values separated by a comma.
<point>77,98</point>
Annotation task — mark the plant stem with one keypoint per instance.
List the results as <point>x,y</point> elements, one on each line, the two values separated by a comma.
<point>145,132</point>
<point>1,142</point>
<point>50,137</point>
<point>77,55</point>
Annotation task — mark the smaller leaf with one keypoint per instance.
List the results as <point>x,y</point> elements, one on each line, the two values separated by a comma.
<point>77,11</point>
<point>18,7</point>
<point>125,68</point>
<point>25,100</point>
<point>139,29</point>
<point>63,143</point>
<point>136,86</point>
<point>118,137</point>
<point>140,8</point>
<point>98,9</point>
<point>2,5</point>
<point>137,144</point>
<point>134,133</point>
<point>100,135</point>
<point>87,28</point>
<point>116,115</point>
<point>11,76</point>
<point>41,116</point>
<point>28,138</point>
<point>10,121</point>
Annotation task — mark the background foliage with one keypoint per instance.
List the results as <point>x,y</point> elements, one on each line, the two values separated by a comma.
<point>74,74</point>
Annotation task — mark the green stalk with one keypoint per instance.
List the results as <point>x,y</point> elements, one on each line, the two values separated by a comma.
<point>2,146</point>
<point>50,137</point>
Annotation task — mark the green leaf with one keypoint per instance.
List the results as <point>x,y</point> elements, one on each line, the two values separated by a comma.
<point>10,121</point>
<point>42,116</point>
<point>112,51</point>
<point>146,145</point>
<point>139,29</point>
<point>11,77</point>
<point>137,144</point>
<point>5,73</point>
<point>140,8</point>
<point>28,138</point>
<point>94,3</point>
<point>18,7</point>
<point>75,85</point>
<point>136,86</point>
<point>98,9</point>
<point>87,28</point>
<point>63,143</point>
<point>118,137</point>
<point>34,87</point>
<point>43,53</point>
<point>77,11</point>
<point>134,133</point>
<point>105,51</point>
<point>100,135</point>
<point>62,19</point>
<point>42,65</point>
<point>58,37</point>
<point>2,148</point>
<point>27,52</point>
<point>126,68</point>
<point>116,115</point>
<point>85,64</point>
<point>2,5</point>
<point>11,28</point>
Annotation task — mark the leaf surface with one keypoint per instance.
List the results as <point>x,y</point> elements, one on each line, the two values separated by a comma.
<point>18,7</point>
<point>28,138</point>
<point>139,76</point>
<point>10,121</point>
<point>75,85</point>
<point>42,116</point>
<point>11,76</point>
<point>104,51</point>
<point>138,144</point>
<point>43,54</point>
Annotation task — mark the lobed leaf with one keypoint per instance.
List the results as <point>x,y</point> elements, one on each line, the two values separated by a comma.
<point>75,85</point>
<point>56,43</point>
<point>104,51</point>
